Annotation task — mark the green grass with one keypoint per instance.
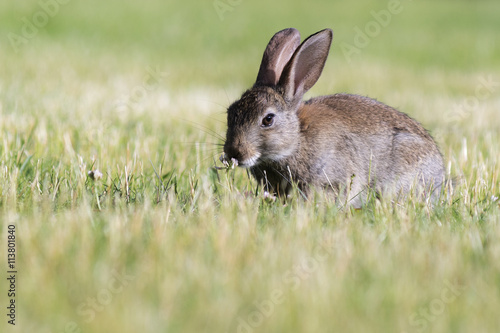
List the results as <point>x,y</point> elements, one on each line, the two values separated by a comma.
<point>163,243</point>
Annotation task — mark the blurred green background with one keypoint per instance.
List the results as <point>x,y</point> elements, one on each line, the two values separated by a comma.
<point>138,89</point>
<point>220,42</point>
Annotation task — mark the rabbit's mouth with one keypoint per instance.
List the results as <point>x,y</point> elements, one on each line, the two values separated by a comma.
<point>234,162</point>
<point>250,161</point>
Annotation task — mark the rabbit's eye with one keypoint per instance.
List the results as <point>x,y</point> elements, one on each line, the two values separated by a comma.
<point>268,120</point>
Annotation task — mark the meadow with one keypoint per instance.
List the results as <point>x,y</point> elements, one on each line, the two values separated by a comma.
<point>163,242</point>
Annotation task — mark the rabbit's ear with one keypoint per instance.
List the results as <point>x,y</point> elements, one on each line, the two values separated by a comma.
<point>306,65</point>
<point>277,54</point>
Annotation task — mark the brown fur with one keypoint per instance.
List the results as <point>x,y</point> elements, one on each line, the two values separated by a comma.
<point>343,142</point>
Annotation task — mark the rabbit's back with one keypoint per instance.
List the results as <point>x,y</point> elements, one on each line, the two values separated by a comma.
<point>359,141</point>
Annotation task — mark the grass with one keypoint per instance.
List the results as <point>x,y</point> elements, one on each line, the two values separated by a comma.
<point>163,243</point>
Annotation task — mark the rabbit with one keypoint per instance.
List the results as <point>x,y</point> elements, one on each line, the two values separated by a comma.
<point>347,143</point>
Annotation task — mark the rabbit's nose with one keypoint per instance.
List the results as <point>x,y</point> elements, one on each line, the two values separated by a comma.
<point>233,151</point>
